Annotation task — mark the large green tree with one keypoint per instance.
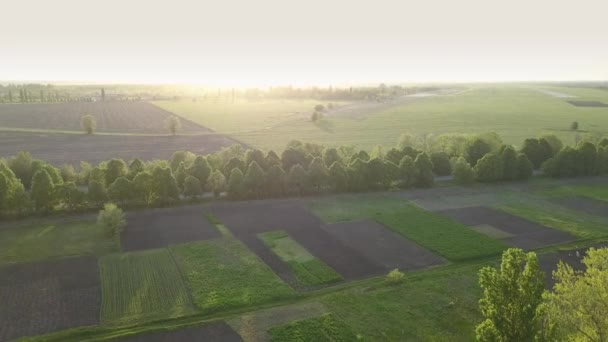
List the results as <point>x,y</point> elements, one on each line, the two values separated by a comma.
<point>43,191</point>
<point>425,170</point>
<point>511,298</point>
<point>255,179</point>
<point>235,183</point>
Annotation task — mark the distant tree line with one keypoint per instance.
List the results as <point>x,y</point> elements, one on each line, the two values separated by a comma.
<point>31,185</point>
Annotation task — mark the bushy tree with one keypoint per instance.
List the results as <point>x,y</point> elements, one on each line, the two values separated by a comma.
<point>376,173</point>
<point>463,172</point>
<point>43,191</point>
<point>317,173</point>
<point>330,156</point>
<point>180,175</point>
<point>5,186</point>
<point>143,188</point>
<point>112,219</point>
<point>358,175</point>
<point>200,169</point>
<point>88,123</point>
<point>408,172</point>
<point>255,156</point>
<point>554,143</point>
<point>121,190</point>
<point>70,196</point>
<point>425,170</point>
<point>394,155</point>
<point>441,163</point>
<point>165,185</point>
<point>476,149</point>
<point>234,163</point>
<point>217,183</point>
<point>173,124</point>
<point>68,174</point>
<point>236,183</point>
<point>489,168</point>
<point>292,156</point>
<point>577,307</point>
<point>511,296</point>
<point>574,125</point>
<point>297,179</point>
<point>115,168</point>
<point>97,192</point>
<point>255,179</point>
<point>276,180</point>
<point>509,163</point>
<point>337,176</point>
<point>524,167</point>
<point>21,166</point>
<point>136,167</point>
<point>602,160</point>
<point>192,187</point>
<point>179,157</point>
<point>564,164</point>
<point>536,152</point>
<point>272,159</point>
<point>587,154</point>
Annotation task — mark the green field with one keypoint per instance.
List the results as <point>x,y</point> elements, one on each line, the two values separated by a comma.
<point>142,286</point>
<point>599,192</point>
<point>450,239</point>
<point>324,328</point>
<point>307,268</point>
<point>223,274</point>
<point>39,240</point>
<point>516,112</point>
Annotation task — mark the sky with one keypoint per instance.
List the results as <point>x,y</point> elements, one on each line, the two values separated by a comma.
<point>301,43</point>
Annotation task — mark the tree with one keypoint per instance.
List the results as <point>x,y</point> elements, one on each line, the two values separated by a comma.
<point>272,159</point>
<point>116,168</point>
<point>376,173</point>
<point>112,219</point>
<point>317,173</point>
<point>173,124</point>
<point>476,149</point>
<point>235,183</point>
<point>441,164</point>
<point>394,155</point>
<point>192,187</point>
<point>233,163</point>
<point>330,156</point>
<point>200,169</point>
<point>425,170</point>
<point>587,154</point>
<point>179,157</point>
<point>525,168</point>
<point>135,168</point>
<point>121,190</point>
<point>97,192</point>
<point>553,142</point>
<point>574,126</point>
<point>70,196</point>
<point>5,186</point>
<point>217,183</point>
<point>511,297</point>
<point>578,304</point>
<point>509,163</point>
<point>88,123</point>
<point>255,156</point>
<point>165,186</point>
<point>564,164</point>
<point>42,190</point>
<point>276,180</point>
<point>254,179</point>
<point>21,166</point>
<point>463,172</point>
<point>68,174</point>
<point>180,175</point>
<point>408,172</point>
<point>143,188</point>
<point>337,176</point>
<point>297,179</point>
<point>489,168</point>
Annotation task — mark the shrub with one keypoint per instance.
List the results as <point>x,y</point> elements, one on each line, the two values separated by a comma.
<point>192,187</point>
<point>88,123</point>
<point>463,172</point>
<point>173,124</point>
<point>217,183</point>
<point>395,277</point>
<point>425,170</point>
<point>441,163</point>
<point>112,219</point>
<point>489,168</point>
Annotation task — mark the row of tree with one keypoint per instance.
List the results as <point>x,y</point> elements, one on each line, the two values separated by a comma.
<point>302,168</point>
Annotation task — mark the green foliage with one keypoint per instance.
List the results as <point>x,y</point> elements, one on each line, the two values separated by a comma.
<point>192,187</point>
<point>508,157</point>
<point>489,168</point>
<point>337,176</point>
<point>121,190</point>
<point>441,163</point>
<point>255,178</point>
<point>68,174</point>
<point>292,156</point>
<point>143,188</point>
<point>88,123</point>
<point>173,124</point>
<point>463,172</point>
<point>276,180</point>
<point>21,166</point>
<point>164,185</point>
<point>140,287</point>
<point>224,274</point>
<point>255,156</point>
<point>536,152</point>
<point>234,163</point>
<point>97,192</point>
<point>587,163</point>
<point>330,156</point>
<point>200,169</point>
<point>553,142</point>
<point>425,170</point>
<point>217,183</point>
<point>136,167</point>
<point>236,183</point>
<point>115,168</point>
<point>70,196</point>
<point>112,219</point>
<point>395,277</point>
<point>307,269</point>
<point>297,179</point>
<point>576,307</point>
<point>511,296</point>
<point>180,175</point>
<point>525,168</point>
<point>317,173</point>
<point>324,328</point>
<point>408,172</point>
<point>43,191</point>
<point>476,149</point>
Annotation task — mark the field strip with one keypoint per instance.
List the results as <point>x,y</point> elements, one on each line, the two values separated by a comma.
<point>56,131</point>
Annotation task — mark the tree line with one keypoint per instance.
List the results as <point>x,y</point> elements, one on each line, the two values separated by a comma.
<point>30,185</point>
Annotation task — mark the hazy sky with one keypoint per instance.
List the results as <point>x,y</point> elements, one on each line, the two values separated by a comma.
<point>259,42</point>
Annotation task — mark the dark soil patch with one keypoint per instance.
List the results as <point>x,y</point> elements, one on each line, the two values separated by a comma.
<point>61,149</point>
<point>148,229</point>
<point>585,204</point>
<point>211,332</point>
<point>247,219</point>
<point>548,262</point>
<point>587,103</point>
<point>383,246</point>
<point>526,234</point>
<point>111,116</point>
<point>40,298</point>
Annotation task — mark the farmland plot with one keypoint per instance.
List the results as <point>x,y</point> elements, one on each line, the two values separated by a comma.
<point>142,286</point>
<point>219,331</point>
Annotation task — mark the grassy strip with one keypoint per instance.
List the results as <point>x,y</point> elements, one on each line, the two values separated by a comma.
<point>215,221</point>
<point>597,191</point>
<point>142,286</point>
<point>576,223</point>
<point>41,240</point>
<point>224,274</point>
<point>440,234</point>
<point>324,328</point>
<point>307,268</point>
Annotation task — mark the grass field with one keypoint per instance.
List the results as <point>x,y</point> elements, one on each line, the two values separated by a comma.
<point>574,222</point>
<point>142,286</point>
<point>599,192</point>
<point>324,328</point>
<point>307,269</point>
<point>447,238</point>
<point>500,108</point>
<point>36,240</point>
<point>223,274</point>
